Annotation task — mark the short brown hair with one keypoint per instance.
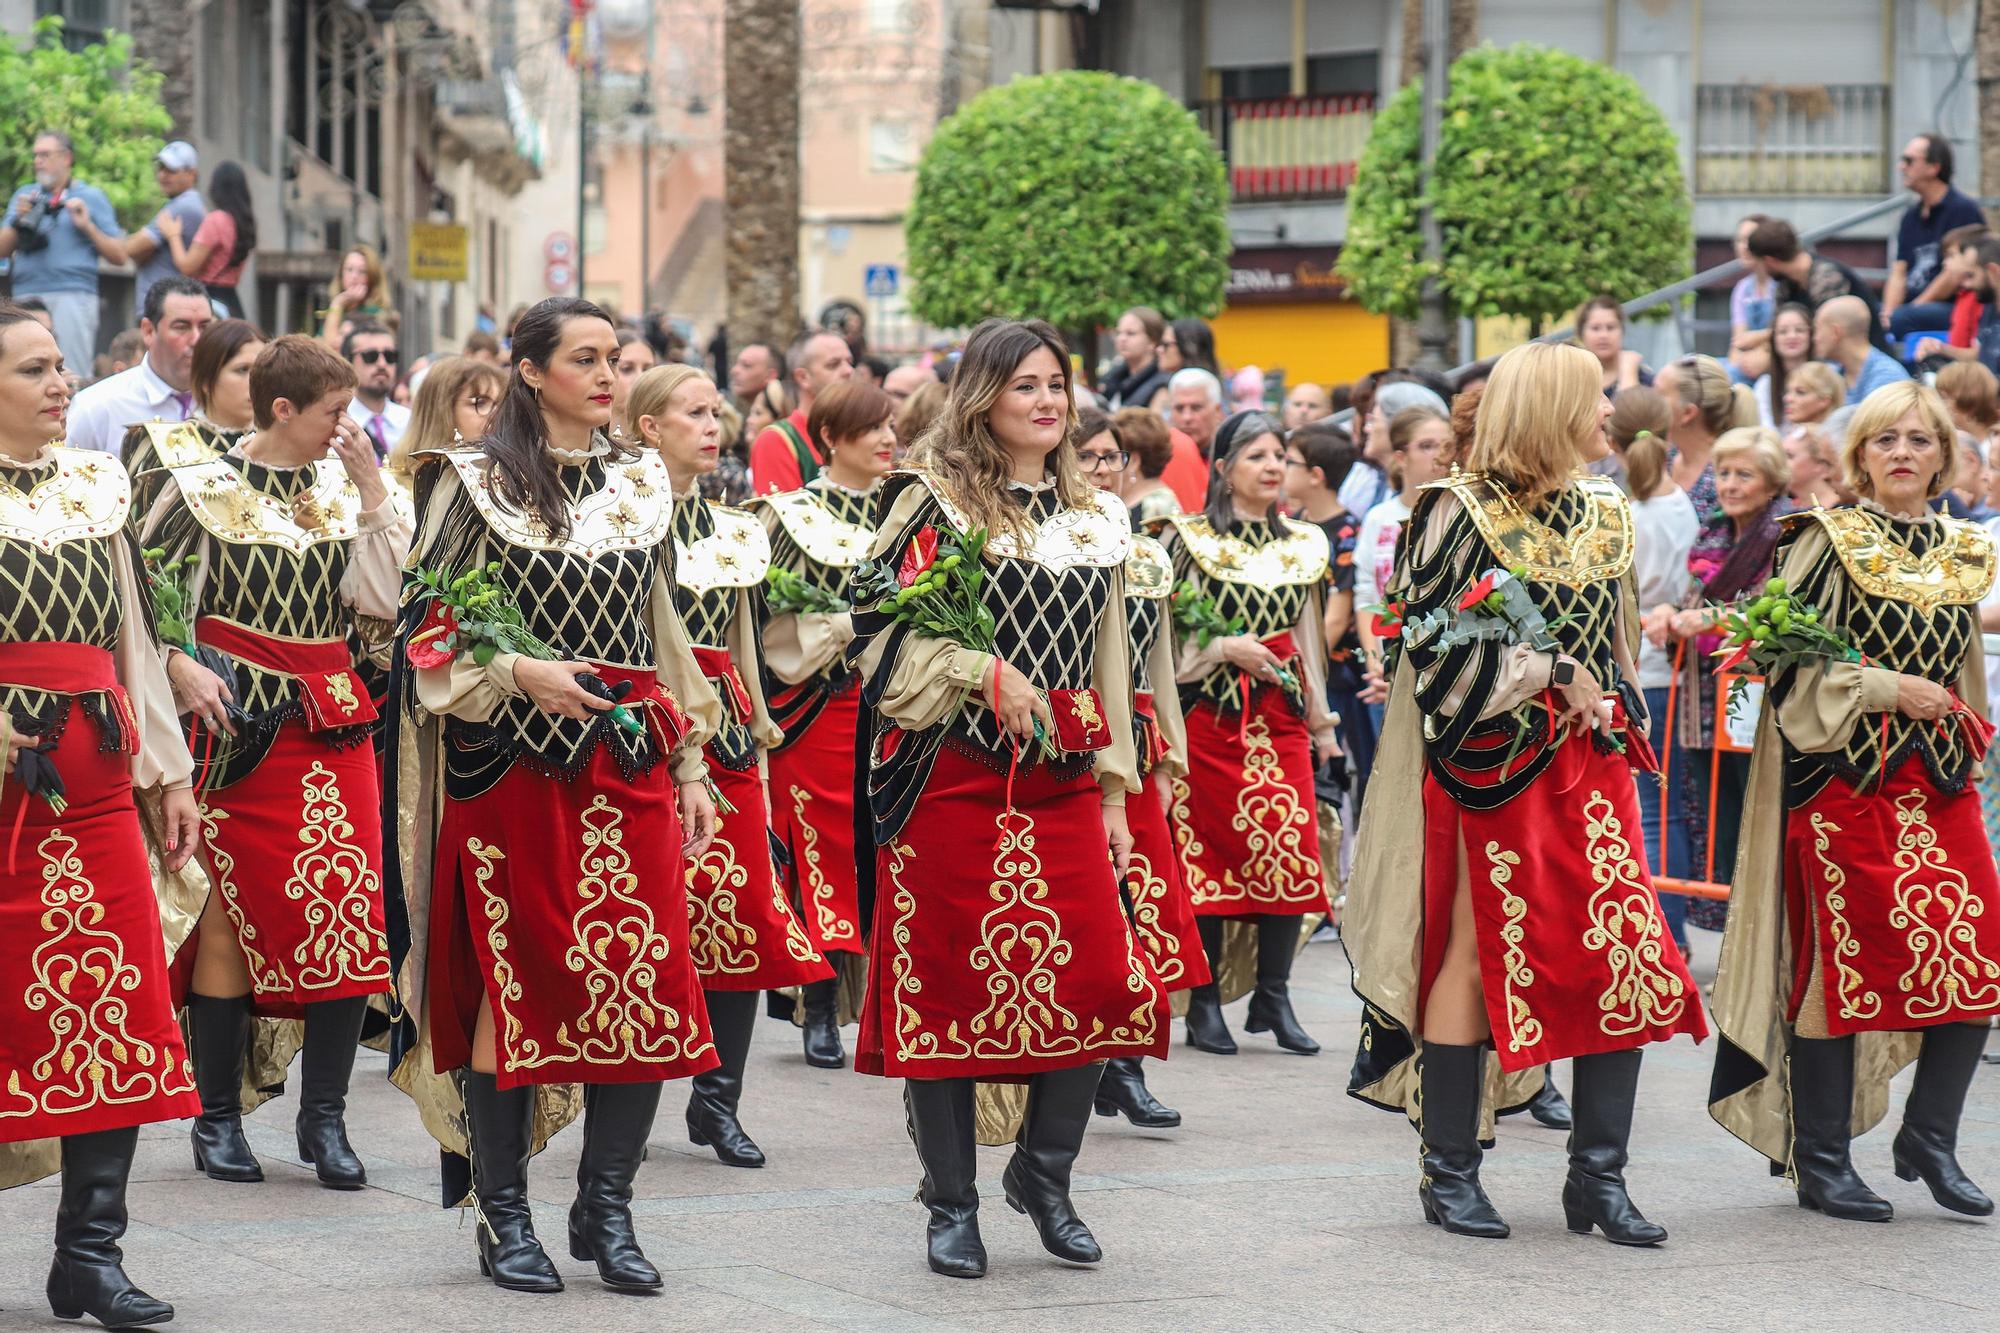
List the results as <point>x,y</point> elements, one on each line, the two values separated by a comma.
<point>1092,422</point>
<point>481,341</point>
<point>1773,238</point>
<point>1146,438</point>
<point>848,409</point>
<point>300,370</point>
<point>1971,391</point>
<point>1959,237</point>
<point>217,347</point>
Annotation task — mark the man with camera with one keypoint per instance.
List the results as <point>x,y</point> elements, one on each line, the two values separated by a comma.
<point>56,230</point>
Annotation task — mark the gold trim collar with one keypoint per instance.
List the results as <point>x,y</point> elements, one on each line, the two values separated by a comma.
<point>86,496</point>
<point>632,510</point>
<point>1600,548</point>
<point>736,555</point>
<point>1099,536</point>
<point>229,507</point>
<point>1300,556</point>
<point>826,540</point>
<point>1149,571</point>
<point>1957,571</point>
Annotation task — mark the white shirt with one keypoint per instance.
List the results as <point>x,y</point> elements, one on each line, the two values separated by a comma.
<point>1363,488</point>
<point>395,419</point>
<point>101,414</point>
<point>1663,532</point>
<point>1375,550</point>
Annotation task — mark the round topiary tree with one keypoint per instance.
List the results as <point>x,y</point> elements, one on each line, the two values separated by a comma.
<point>108,103</point>
<point>1556,180</point>
<point>1068,197</point>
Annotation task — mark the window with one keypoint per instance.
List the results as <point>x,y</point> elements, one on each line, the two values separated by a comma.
<point>84,21</point>
<point>1256,81</point>
<point>1351,72</point>
<point>891,15</point>
<point>892,146</point>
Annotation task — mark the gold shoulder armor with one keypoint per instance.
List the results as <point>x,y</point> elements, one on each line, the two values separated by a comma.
<point>1957,571</point>
<point>87,497</point>
<point>1301,556</point>
<point>1599,547</point>
<point>736,555</point>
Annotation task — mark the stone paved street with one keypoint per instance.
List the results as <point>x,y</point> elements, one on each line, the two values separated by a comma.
<point>1280,1204</point>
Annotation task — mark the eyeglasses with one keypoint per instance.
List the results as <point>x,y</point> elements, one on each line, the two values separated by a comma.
<point>1115,461</point>
<point>369,356</point>
<point>480,403</point>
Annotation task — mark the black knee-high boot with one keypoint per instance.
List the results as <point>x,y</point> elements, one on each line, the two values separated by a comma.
<point>1206,1029</point>
<point>1606,1087</point>
<point>88,1275</point>
<point>1037,1179</point>
<point>713,1097</point>
<point>1123,1090</point>
<point>822,1029</point>
<point>219,1031</point>
<point>1926,1146</point>
<point>617,1118</point>
<point>1451,1079</point>
<point>1822,1129</point>
<point>1271,1003</point>
<point>941,1115</point>
<point>502,1134</point>
<point>333,1034</point>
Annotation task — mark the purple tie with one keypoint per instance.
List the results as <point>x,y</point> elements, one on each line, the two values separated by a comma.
<point>186,401</point>
<point>376,434</point>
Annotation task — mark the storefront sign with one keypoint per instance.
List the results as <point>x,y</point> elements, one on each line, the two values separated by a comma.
<point>437,252</point>
<point>1285,275</point>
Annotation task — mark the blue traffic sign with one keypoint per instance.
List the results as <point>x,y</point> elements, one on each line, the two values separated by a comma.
<point>881,280</point>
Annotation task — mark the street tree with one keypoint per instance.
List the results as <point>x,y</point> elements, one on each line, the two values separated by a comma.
<point>108,104</point>
<point>760,157</point>
<point>1068,197</point>
<point>1556,180</point>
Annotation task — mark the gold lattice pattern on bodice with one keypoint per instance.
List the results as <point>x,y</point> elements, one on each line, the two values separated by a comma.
<point>1264,609</point>
<point>821,541</point>
<point>65,595</point>
<point>706,613</point>
<point>1146,618</point>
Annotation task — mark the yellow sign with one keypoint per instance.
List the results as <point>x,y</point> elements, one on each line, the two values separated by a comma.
<point>437,252</point>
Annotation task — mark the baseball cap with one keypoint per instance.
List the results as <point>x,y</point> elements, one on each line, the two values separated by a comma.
<point>177,156</point>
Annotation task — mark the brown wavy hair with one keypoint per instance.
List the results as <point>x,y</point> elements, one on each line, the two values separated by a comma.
<point>433,410</point>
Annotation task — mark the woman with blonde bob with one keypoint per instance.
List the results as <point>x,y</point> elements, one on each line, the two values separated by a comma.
<point>1538,929</point>
<point>1864,926</point>
<point>996,779</point>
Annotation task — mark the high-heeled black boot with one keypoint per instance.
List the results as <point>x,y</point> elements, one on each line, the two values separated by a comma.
<point>822,1029</point>
<point>219,1031</point>
<point>1594,1194</point>
<point>1037,1179</point>
<point>714,1097</point>
<point>333,1034</point>
<point>1926,1146</point>
<point>1547,1106</point>
<point>1123,1090</point>
<point>617,1118</point>
<point>1451,1079</point>
<point>1271,1002</point>
<point>1206,1028</point>
<point>88,1274</point>
<point>942,1125</point>
<point>502,1130</point>
<point>1822,1129</point>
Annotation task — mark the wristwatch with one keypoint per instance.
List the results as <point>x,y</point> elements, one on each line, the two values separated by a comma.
<point>1564,672</point>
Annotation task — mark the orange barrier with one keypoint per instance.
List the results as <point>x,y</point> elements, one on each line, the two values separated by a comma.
<point>1693,888</point>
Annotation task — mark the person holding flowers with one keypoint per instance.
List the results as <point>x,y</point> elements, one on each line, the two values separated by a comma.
<point>1864,921</point>
<point>1248,616</point>
<point>998,734</point>
<point>1518,911</point>
<point>552,788</point>
<point>744,933</point>
<point>818,533</point>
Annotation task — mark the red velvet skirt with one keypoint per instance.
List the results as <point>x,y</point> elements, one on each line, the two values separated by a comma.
<point>741,929</point>
<point>1251,844</point>
<point>812,812</point>
<point>565,905</point>
<point>1162,913</point>
<point>1001,946</point>
<point>1900,892</point>
<point>296,849</point>
<point>1574,955</point>
<point>87,1033</point>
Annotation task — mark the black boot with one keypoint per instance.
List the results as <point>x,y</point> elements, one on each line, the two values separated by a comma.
<point>219,1031</point>
<point>1822,1119</point>
<point>941,1123</point>
<point>502,1129</point>
<point>1927,1144</point>
<point>1547,1106</point>
<point>1037,1179</point>
<point>88,1275</point>
<point>617,1118</point>
<point>1451,1079</point>
<point>822,1030</point>
<point>1271,1002</point>
<point>1606,1087</point>
<point>713,1097</point>
<point>333,1034</point>
<point>1123,1090</point>
<point>1206,1029</point>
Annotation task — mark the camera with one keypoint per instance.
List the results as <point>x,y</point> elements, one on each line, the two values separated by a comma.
<point>33,227</point>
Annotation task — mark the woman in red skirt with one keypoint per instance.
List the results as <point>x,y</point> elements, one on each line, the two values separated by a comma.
<point>1500,895</point>
<point>545,878</point>
<point>292,551</point>
<point>818,533</point>
<point>1162,911</point>
<point>1256,723</point>
<point>1864,922</point>
<point>89,1049</point>
<point>998,771</point>
<point>744,933</point>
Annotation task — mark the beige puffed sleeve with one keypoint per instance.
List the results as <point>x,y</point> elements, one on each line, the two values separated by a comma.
<point>373,583</point>
<point>678,671</point>
<point>800,645</point>
<point>743,651</point>
<point>461,688</point>
<point>1167,701</point>
<point>160,757</point>
<point>930,676</point>
<point>1310,636</point>
<point>1117,766</point>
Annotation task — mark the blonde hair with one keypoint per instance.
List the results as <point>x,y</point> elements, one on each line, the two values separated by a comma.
<point>1762,447</point>
<point>1880,411</point>
<point>434,411</point>
<point>1701,382</point>
<point>1972,392</point>
<point>1822,379</point>
<point>652,391</point>
<point>1541,403</point>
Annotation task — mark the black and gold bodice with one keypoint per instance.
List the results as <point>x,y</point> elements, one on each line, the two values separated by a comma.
<point>152,449</point>
<point>1259,573</point>
<point>586,596</point>
<point>1576,546</point>
<point>824,530</point>
<point>62,537</point>
<point>718,553</point>
<point>1149,583</point>
<point>1907,594</point>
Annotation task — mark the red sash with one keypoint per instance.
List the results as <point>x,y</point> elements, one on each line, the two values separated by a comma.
<point>1149,728</point>
<point>70,669</point>
<point>330,690</point>
<point>716,664</point>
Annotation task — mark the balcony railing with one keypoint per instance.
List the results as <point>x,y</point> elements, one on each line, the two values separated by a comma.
<point>1291,147</point>
<point>1813,139</point>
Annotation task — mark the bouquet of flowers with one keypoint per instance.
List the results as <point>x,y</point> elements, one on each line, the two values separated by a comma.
<point>1196,615</point>
<point>1498,607</point>
<point>1773,630</point>
<point>788,594</point>
<point>166,580</point>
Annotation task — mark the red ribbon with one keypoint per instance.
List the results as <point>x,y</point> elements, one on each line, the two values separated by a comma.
<point>1013,746</point>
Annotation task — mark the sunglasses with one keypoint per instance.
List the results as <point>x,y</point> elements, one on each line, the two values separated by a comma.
<point>371,356</point>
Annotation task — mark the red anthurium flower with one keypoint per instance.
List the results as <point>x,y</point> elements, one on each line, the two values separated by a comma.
<point>923,550</point>
<point>1477,593</point>
<point>1734,659</point>
<point>435,641</point>
<point>1388,626</point>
